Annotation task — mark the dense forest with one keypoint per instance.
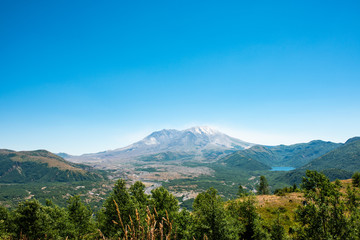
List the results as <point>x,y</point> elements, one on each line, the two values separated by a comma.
<point>326,210</point>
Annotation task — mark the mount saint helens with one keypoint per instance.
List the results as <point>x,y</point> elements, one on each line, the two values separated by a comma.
<point>196,143</point>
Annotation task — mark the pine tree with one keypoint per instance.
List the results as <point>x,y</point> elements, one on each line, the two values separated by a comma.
<point>277,230</point>
<point>80,217</point>
<point>242,191</point>
<point>59,223</point>
<point>356,179</point>
<point>210,216</point>
<point>137,191</point>
<point>184,225</point>
<point>165,207</point>
<point>263,186</point>
<point>323,217</point>
<point>31,220</point>
<point>4,223</point>
<point>248,221</point>
<point>109,214</point>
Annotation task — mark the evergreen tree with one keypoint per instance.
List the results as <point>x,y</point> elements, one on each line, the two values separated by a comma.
<point>110,224</point>
<point>184,225</point>
<point>248,222</point>
<point>31,220</point>
<point>141,202</point>
<point>165,207</point>
<point>137,191</point>
<point>338,183</point>
<point>353,204</point>
<point>263,186</point>
<point>356,179</point>
<point>79,217</point>
<point>210,216</point>
<point>60,226</point>
<point>352,197</point>
<point>242,191</point>
<point>277,230</point>
<point>323,216</point>
<point>4,223</point>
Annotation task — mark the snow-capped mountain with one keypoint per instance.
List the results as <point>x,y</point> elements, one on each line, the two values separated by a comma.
<point>191,139</point>
<point>195,140</point>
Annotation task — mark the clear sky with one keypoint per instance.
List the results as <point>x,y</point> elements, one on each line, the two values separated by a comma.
<point>86,76</point>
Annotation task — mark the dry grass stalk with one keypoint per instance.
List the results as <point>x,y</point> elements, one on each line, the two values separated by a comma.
<point>149,230</point>
<point>118,212</point>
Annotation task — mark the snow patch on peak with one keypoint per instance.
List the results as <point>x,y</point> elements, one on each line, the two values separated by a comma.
<point>151,141</point>
<point>203,130</point>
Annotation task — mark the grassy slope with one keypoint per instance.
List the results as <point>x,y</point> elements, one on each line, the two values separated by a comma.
<point>272,206</point>
<point>41,156</point>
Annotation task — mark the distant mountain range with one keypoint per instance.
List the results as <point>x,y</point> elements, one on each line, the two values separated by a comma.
<point>200,143</point>
<point>295,155</point>
<point>339,163</point>
<point>41,166</point>
<point>205,144</point>
<point>346,157</point>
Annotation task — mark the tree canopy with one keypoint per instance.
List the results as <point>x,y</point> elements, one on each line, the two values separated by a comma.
<point>328,211</point>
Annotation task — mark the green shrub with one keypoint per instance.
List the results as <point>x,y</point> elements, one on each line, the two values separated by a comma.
<point>356,179</point>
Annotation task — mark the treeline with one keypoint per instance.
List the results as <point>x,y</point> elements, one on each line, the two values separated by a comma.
<point>327,212</point>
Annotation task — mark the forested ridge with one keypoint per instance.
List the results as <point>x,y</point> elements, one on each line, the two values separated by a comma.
<point>320,209</point>
<point>42,166</point>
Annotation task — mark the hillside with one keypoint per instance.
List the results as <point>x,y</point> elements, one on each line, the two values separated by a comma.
<point>296,176</point>
<point>41,166</point>
<point>339,163</point>
<point>249,160</point>
<point>295,155</point>
<point>270,206</point>
<point>346,157</point>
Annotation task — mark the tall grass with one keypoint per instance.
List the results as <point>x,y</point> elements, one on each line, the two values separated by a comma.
<point>151,229</point>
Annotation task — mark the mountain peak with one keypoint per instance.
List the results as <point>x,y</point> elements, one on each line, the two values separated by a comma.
<point>195,140</point>
<point>354,139</point>
<point>203,130</point>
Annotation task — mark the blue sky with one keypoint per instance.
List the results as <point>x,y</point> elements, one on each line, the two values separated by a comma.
<point>90,76</point>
